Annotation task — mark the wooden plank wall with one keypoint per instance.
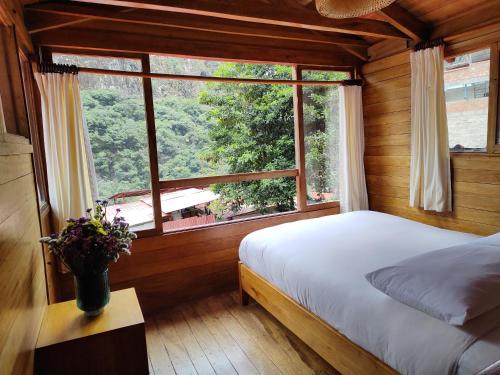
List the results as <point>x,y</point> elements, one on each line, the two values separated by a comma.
<point>476,178</point>
<point>22,279</point>
<point>173,268</point>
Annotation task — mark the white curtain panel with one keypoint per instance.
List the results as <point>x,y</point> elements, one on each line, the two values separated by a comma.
<point>70,169</point>
<point>353,195</point>
<point>430,180</point>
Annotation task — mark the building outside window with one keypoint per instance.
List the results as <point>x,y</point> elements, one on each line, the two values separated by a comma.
<point>467,79</point>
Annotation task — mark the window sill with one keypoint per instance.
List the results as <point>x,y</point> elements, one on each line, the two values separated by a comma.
<point>471,153</point>
<point>270,217</point>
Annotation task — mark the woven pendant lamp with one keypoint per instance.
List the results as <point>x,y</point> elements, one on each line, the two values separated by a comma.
<point>349,8</point>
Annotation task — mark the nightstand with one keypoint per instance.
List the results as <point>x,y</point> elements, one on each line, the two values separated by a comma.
<point>113,342</point>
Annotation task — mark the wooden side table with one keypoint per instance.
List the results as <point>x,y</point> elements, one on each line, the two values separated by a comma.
<point>113,342</point>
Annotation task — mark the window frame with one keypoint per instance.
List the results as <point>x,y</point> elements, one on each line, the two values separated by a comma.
<point>302,205</point>
<point>492,148</point>
<point>157,184</point>
<point>494,112</point>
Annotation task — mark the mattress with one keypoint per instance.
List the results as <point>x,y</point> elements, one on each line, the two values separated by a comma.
<point>321,263</point>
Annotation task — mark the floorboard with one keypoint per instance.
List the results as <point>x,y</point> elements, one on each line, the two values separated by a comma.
<point>216,335</point>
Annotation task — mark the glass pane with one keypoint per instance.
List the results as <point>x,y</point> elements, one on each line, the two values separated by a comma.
<point>114,113</point>
<point>321,127</point>
<point>98,62</point>
<point>208,129</point>
<point>315,75</point>
<point>210,68</point>
<point>187,208</point>
<point>466,79</point>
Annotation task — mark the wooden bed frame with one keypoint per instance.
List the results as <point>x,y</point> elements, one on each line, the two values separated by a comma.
<point>335,348</point>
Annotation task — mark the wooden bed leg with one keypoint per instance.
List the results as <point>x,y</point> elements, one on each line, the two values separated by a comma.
<point>244,297</point>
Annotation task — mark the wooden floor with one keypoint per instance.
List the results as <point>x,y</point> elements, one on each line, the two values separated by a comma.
<point>218,336</point>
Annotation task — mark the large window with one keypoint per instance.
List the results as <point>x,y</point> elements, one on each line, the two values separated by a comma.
<point>226,150</point>
<point>467,79</point>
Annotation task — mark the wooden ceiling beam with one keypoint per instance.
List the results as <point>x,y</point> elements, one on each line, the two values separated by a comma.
<point>39,12</point>
<point>244,10</point>
<point>404,21</point>
<point>37,24</point>
<point>361,53</point>
<point>223,48</point>
<point>11,15</point>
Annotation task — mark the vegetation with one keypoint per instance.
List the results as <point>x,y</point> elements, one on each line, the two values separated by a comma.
<point>210,128</point>
<point>252,131</point>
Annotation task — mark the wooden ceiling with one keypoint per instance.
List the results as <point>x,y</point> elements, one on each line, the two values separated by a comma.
<point>274,25</point>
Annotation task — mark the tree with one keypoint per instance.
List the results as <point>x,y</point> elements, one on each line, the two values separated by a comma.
<point>118,138</point>
<point>252,131</point>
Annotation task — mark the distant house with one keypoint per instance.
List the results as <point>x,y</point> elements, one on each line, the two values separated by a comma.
<point>180,209</point>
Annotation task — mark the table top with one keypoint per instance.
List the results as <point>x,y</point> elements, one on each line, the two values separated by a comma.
<point>64,321</point>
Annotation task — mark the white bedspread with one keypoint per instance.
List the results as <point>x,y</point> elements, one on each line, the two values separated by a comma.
<point>321,264</point>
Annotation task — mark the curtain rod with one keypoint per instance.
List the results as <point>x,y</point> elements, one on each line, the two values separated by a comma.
<point>57,68</point>
<point>209,79</point>
<point>429,44</point>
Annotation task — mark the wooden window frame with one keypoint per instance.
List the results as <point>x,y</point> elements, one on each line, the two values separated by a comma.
<point>302,205</point>
<point>493,109</point>
<point>492,148</point>
<point>33,110</point>
<point>157,184</point>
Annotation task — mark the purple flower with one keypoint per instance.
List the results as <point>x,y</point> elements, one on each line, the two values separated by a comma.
<point>88,244</point>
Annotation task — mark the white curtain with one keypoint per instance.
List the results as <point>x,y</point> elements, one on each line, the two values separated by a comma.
<point>353,195</point>
<point>70,169</point>
<point>430,180</point>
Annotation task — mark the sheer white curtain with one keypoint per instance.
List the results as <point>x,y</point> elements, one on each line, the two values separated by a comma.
<point>353,195</point>
<point>70,169</point>
<point>430,179</point>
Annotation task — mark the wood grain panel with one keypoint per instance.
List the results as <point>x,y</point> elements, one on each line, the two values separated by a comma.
<point>175,267</point>
<point>217,336</point>
<point>22,275</point>
<point>475,177</point>
<point>436,12</point>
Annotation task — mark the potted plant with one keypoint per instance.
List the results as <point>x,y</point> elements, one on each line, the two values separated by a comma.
<point>86,246</point>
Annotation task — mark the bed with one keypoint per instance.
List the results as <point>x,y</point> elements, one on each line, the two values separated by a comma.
<point>310,275</point>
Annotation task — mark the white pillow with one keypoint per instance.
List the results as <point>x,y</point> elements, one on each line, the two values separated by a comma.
<point>455,284</point>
